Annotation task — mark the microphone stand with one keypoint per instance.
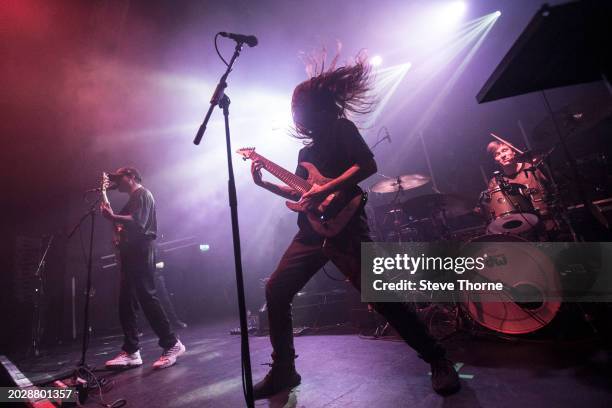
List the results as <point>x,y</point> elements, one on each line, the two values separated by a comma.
<point>221,99</point>
<point>91,213</point>
<point>39,299</point>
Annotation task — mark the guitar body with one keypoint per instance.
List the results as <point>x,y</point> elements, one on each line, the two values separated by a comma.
<point>332,214</point>
<point>336,210</point>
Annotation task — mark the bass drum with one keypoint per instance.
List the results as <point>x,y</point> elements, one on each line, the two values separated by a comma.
<point>524,269</point>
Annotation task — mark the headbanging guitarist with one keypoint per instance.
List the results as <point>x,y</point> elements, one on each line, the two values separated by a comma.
<point>137,226</point>
<point>335,147</point>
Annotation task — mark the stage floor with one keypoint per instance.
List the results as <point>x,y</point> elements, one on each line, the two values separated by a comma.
<point>346,370</point>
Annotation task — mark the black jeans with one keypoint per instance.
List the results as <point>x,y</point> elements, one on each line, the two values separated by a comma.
<point>138,287</point>
<point>164,297</point>
<point>304,257</point>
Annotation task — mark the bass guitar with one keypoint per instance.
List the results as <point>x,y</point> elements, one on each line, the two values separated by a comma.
<point>117,227</point>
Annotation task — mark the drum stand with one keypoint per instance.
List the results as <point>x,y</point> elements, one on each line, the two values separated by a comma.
<point>396,212</point>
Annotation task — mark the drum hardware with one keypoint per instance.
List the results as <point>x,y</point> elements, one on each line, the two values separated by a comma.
<point>424,218</point>
<point>397,223</point>
<point>448,205</point>
<point>433,211</point>
<point>604,205</point>
<point>394,216</point>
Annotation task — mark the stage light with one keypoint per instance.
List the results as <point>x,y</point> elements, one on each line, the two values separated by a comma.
<point>457,8</point>
<point>204,247</point>
<point>160,265</point>
<point>497,13</point>
<point>387,81</point>
<point>451,58</point>
<point>448,16</point>
<point>376,60</point>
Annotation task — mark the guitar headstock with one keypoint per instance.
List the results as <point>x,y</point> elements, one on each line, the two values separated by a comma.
<point>246,152</point>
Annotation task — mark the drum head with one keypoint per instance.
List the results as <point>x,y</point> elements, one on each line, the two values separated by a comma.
<point>525,269</point>
<point>513,223</point>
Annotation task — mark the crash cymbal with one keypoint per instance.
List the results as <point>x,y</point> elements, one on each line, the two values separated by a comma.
<point>405,182</point>
<point>449,205</point>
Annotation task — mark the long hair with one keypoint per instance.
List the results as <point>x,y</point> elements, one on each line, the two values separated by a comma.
<point>337,91</point>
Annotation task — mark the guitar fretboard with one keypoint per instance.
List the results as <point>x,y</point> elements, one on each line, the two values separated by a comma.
<point>293,181</point>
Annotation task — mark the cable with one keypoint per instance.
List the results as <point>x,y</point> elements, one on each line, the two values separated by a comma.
<point>218,53</point>
<point>89,376</point>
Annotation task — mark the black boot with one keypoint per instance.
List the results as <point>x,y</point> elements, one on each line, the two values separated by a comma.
<point>282,376</point>
<point>444,378</point>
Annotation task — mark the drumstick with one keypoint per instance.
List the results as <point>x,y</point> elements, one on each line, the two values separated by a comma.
<point>499,139</point>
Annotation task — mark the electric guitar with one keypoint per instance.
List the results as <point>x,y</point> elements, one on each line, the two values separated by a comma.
<point>117,228</point>
<point>327,217</point>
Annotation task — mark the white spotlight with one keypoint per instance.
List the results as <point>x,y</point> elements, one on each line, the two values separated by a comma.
<point>376,60</point>
<point>497,13</point>
<point>447,16</point>
<point>457,8</point>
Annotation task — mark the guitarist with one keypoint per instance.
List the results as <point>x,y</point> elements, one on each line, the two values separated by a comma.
<point>335,147</point>
<point>138,224</point>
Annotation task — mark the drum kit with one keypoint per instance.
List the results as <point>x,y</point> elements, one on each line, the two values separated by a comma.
<point>507,214</point>
<point>507,209</point>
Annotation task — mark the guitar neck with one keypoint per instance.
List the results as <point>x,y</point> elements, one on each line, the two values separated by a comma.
<point>293,181</point>
<point>105,197</point>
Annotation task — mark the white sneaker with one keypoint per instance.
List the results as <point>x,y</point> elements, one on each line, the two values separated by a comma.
<point>125,360</point>
<point>168,357</point>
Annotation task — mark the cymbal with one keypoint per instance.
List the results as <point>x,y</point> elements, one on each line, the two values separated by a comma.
<point>450,205</point>
<point>574,119</point>
<point>405,182</point>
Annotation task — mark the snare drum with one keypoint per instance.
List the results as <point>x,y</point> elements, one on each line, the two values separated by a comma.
<point>508,209</point>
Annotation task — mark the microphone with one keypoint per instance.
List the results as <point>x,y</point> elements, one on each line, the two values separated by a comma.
<point>249,40</point>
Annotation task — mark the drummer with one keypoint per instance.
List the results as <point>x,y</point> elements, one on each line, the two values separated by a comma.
<point>516,170</point>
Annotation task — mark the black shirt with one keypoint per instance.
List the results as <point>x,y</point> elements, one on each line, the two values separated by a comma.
<point>336,151</point>
<point>141,206</point>
<point>332,154</point>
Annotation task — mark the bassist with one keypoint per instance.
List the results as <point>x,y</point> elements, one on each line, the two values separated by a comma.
<point>138,223</point>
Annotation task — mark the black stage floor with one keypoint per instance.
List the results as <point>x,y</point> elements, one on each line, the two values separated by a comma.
<point>346,370</point>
